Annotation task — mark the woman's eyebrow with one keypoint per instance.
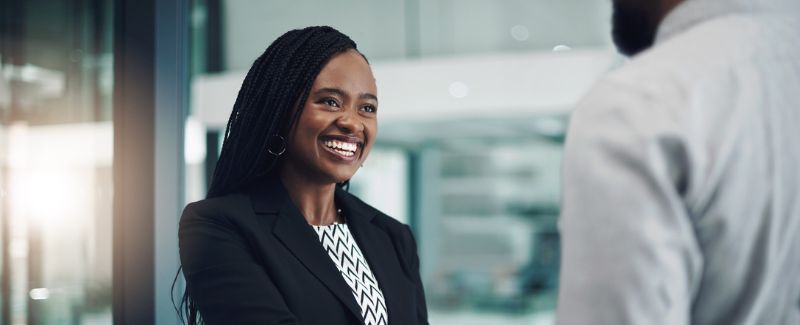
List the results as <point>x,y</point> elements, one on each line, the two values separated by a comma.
<point>335,91</point>
<point>368,96</point>
<point>341,93</point>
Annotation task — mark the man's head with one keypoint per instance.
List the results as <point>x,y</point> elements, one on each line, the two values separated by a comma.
<point>635,23</point>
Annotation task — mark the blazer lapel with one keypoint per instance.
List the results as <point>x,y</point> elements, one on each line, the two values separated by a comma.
<point>379,252</point>
<point>294,232</point>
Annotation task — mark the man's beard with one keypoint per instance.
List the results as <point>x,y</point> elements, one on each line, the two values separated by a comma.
<point>633,28</point>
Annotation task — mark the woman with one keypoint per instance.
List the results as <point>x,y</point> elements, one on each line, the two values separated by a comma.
<point>278,240</point>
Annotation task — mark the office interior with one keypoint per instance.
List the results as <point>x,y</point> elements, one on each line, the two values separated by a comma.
<point>112,114</point>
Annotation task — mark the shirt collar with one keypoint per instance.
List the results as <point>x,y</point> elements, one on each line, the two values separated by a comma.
<point>692,12</point>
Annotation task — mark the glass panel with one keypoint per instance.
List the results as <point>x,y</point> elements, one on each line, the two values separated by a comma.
<point>56,161</point>
<point>388,29</point>
<point>497,257</point>
<point>250,25</point>
<point>456,27</point>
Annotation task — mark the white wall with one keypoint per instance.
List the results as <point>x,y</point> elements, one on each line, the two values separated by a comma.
<point>493,86</point>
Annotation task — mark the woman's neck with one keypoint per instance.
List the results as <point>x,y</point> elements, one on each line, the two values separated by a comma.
<point>313,199</point>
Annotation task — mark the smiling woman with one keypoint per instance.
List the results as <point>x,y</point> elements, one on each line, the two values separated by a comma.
<point>279,239</point>
<point>337,125</point>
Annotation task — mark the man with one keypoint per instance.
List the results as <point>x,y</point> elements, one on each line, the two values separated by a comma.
<point>681,200</point>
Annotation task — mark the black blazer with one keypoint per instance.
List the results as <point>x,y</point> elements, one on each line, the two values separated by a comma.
<point>251,258</point>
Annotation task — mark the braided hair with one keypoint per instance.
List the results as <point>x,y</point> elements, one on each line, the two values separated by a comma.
<point>268,105</point>
<point>277,84</point>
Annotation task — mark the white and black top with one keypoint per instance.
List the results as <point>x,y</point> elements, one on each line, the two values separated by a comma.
<point>343,250</point>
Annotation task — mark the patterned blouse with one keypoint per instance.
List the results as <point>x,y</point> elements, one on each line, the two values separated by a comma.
<point>343,250</point>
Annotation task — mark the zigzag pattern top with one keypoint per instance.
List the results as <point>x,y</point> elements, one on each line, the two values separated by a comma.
<point>343,250</point>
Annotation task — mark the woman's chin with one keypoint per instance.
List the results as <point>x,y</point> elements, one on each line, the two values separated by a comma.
<point>340,180</point>
<point>343,176</point>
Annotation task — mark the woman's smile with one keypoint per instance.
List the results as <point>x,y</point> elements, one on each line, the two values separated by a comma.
<point>343,148</point>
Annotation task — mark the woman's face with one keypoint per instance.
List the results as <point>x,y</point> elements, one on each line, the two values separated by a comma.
<point>339,122</point>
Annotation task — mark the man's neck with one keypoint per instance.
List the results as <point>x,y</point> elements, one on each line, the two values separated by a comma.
<point>666,6</point>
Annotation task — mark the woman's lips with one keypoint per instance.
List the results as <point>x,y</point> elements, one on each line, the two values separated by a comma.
<point>343,150</point>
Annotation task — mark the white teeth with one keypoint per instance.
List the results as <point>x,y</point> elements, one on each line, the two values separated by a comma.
<point>342,147</point>
<point>345,153</point>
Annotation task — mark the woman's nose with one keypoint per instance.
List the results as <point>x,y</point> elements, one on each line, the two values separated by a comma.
<point>350,123</point>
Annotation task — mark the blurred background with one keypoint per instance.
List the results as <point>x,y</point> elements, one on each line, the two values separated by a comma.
<point>112,114</point>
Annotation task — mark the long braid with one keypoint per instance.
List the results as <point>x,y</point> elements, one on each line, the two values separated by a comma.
<point>269,103</point>
<point>278,81</point>
<point>248,101</point>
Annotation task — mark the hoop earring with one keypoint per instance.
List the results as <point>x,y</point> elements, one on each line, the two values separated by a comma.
<point>281,145</point>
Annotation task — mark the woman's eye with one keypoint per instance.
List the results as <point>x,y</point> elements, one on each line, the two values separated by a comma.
<point>330,102</point>
<point>369,109</point>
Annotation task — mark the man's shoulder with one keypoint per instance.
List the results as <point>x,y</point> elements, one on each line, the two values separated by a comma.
<point>706,50</point>
<point>677,69</point>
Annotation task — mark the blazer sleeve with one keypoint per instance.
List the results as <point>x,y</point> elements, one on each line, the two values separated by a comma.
<point>413,263</point>
<point>223,279</point>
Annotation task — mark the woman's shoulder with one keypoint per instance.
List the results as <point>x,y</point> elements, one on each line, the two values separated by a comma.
<point>354,202</point>
<point>216,207</point>
<point>399,233</point>
<point>396,229</point>
<point>390,222</point>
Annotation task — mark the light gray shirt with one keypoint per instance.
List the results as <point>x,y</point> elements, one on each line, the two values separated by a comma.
<point>681,195</point>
